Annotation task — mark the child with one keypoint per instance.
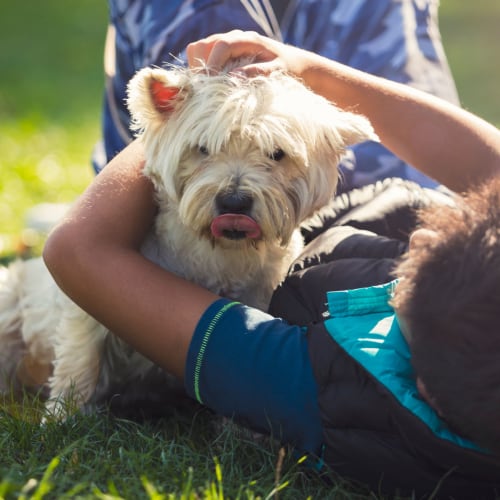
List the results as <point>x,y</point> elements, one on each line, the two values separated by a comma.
<point>338,384</point>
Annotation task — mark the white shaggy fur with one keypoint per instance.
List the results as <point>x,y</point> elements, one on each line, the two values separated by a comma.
<point>238,164</point>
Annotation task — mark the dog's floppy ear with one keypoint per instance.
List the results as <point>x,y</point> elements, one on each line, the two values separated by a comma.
<point>155,93</point>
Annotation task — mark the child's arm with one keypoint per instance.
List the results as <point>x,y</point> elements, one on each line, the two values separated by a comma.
<point>442,140</point>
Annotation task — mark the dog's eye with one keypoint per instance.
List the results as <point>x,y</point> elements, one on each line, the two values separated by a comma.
<point>277,155</point>
<point>203,150</point>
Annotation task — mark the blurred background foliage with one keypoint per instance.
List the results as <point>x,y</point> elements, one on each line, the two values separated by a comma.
<point>51,88</point>
<point>471,37</point>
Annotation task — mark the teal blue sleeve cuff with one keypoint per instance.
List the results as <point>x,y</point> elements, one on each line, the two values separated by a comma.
<point>247,365</point>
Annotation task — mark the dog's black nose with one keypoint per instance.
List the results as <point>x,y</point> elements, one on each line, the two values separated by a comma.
<point>234,203</point>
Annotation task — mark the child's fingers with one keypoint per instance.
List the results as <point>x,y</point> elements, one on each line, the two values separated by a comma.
<point>197,53</point>
<point>255,69</point>
<point>216,51</point>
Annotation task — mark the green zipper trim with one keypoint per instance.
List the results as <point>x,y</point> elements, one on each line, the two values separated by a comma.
<point>203,347</point>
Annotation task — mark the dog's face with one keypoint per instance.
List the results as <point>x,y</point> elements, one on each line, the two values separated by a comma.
<point>240,160</point>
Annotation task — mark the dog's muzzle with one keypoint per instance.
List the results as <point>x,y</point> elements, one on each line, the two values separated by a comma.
<point>234,221</point>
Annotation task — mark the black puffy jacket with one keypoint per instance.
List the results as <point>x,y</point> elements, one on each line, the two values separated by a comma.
<point>369,436</point>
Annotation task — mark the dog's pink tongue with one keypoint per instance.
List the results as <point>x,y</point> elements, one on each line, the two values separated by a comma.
<point>235,227</point>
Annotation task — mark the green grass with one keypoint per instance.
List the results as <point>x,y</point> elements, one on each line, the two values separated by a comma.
<point>186,456</point>
<point>50,96</point>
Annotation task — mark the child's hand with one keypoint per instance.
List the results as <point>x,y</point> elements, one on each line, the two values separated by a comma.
<point>269,55</point>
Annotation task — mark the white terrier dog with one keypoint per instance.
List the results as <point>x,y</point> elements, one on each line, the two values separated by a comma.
<point>238,164</point>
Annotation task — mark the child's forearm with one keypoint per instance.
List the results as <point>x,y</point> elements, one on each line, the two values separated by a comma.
<point>442,140</point>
